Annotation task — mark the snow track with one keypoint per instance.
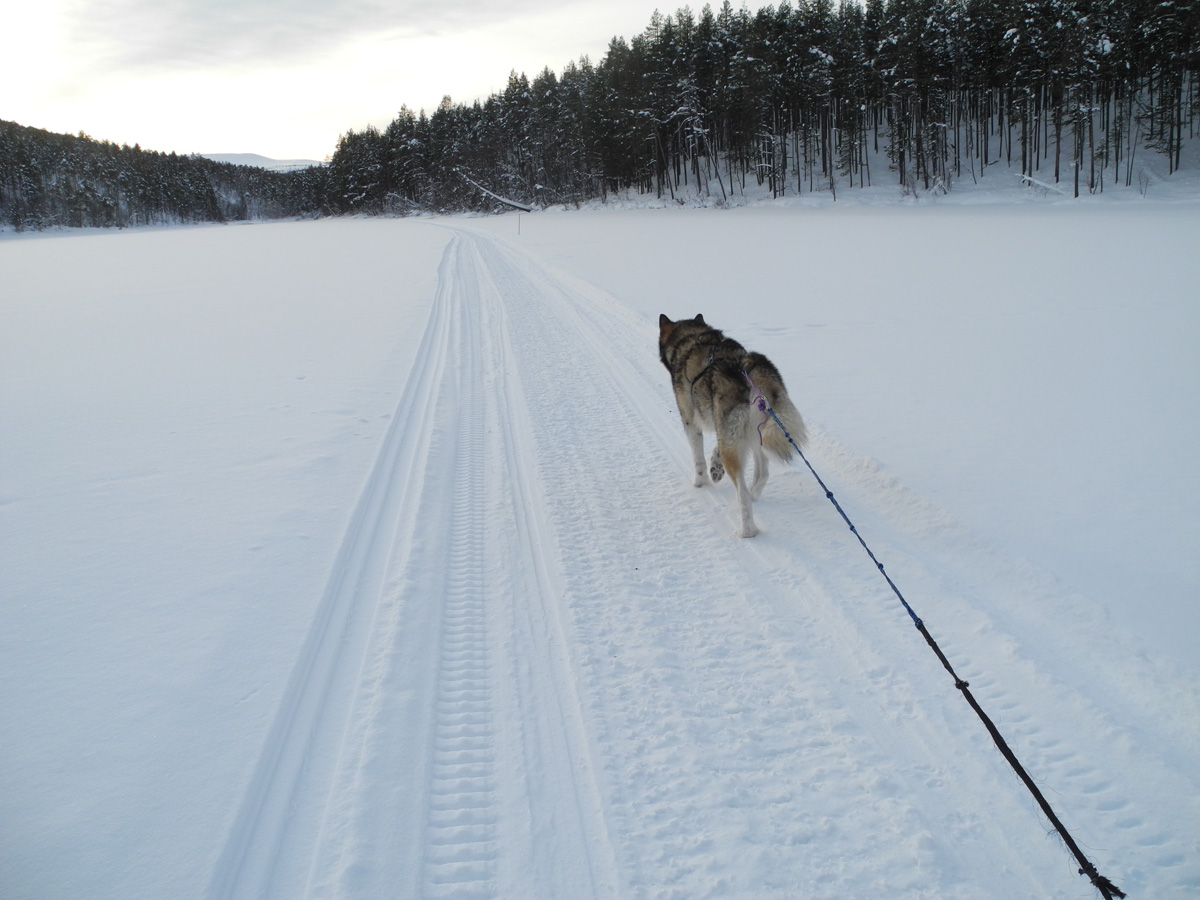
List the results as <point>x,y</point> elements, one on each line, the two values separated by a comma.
<point>429,716</point>
<point>544,667</point>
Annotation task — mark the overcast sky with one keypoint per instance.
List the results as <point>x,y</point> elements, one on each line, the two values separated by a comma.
<point>282,78</point>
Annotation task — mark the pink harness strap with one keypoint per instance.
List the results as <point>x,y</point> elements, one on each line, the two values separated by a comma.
<point>761,403</point>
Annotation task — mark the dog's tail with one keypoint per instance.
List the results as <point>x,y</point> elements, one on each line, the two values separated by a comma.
<point>766,378</point>
<point>773,438</point>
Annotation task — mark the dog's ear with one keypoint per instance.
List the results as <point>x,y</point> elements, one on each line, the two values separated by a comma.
<point>700,319</point>
<point>663,321</point>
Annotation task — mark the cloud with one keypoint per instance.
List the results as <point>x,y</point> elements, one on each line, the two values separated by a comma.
<point>175,34</point>
<point>278,77</point>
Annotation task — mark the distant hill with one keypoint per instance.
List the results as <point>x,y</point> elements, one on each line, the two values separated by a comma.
<point>262,162</point>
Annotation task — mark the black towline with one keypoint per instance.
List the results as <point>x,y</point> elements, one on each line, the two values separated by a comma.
<point>1106,888</point>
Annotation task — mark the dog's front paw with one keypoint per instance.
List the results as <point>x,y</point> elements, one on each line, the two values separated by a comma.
<point>698,480</point>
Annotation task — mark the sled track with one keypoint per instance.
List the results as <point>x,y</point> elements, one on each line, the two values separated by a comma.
<point>261,847</point>
<point>430,724</point>
<point>462,811</point>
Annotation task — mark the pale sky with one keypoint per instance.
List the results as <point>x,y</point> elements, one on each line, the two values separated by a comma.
<point>282,78</point>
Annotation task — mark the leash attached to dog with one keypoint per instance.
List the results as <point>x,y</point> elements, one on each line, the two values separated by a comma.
<point>1106,888</point>
<point>765,409</point>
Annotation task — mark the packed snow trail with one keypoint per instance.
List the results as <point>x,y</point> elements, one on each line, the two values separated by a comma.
<point>545,667</point>
<point>821,658</point>
<point>429,742</point>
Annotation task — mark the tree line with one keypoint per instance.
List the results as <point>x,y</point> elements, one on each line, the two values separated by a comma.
<point>808,97</point>
<point>790,99</point>
<point>49,179</point>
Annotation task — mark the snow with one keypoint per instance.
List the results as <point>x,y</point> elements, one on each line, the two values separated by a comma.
<point>358,558</point>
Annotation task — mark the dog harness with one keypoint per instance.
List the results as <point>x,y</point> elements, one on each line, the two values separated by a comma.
<point>712,352</point>
<point>761,403</point>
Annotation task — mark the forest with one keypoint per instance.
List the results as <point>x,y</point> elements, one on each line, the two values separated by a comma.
<point>49,180</point>
<point>790,99</point>
<point>807,97</point>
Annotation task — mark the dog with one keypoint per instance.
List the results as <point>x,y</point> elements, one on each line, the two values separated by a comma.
<point>717,385</point>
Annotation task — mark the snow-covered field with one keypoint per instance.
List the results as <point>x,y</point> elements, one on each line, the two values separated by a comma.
<point>359,558</point>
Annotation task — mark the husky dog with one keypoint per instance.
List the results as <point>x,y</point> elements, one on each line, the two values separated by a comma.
<point>717,384</point>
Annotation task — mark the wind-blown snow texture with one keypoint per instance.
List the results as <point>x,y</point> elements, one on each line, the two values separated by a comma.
<point>359,559</point>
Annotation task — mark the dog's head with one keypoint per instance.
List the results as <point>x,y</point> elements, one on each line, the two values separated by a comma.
<point>666,328</point>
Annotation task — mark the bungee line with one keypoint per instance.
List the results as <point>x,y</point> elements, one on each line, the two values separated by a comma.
<point>1106,888</point>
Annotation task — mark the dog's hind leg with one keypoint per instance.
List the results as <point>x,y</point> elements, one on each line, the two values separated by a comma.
<point>696,441</point>
<point>731,458</point>
<point>716,471</point>
<point>762,471</point>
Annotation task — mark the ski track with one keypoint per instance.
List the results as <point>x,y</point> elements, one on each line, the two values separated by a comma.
<point>544,667</point>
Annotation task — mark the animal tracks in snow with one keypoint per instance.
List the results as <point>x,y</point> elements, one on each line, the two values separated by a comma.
<point>543,667</point>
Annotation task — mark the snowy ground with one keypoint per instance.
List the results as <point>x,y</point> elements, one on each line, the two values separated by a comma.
<point>358,558</point>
